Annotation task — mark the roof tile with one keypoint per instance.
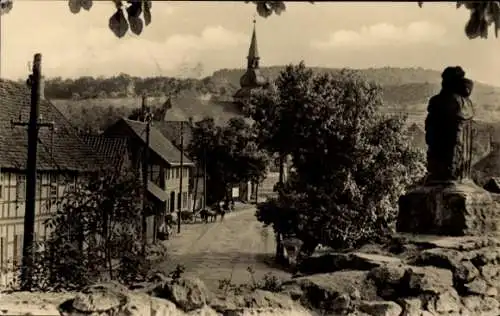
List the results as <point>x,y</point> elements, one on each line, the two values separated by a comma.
<point>60,149</point>
<point>111,150</point>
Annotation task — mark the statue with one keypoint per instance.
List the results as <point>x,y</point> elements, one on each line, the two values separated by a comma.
<point>448,128</point>
<point>449,203</point>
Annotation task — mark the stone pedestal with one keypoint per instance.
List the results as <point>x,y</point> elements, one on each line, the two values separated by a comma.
<point>451,209</point>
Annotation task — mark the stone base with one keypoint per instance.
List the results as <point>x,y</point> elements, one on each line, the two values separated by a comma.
<point>451,209</point>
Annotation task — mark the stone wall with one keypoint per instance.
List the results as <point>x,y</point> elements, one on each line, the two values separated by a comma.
<point>413,275</point>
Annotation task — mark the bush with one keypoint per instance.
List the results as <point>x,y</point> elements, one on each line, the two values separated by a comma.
<point>269,283</point>
<point>94,236</point>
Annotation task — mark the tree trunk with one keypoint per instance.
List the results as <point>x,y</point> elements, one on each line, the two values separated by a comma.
<point>306,250</point>
<point>280,249</point>
<point>257,193</point>
<point>281,169</point>
<point>196,178</point>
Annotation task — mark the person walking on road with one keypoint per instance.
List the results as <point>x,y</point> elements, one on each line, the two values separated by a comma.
<point>223,209</point>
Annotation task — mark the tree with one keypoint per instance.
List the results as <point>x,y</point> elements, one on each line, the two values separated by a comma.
<point>135,14</point>
<point>272,110</point>
<point>351,162</point>
<point>230,153</point>
<point>94,234</point>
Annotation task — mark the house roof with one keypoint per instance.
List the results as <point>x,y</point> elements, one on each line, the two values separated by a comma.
<point>111,149</point>
<point>60,149</point>
<point>172,131</point>
<point>157,142</point>
<point>197,108</point>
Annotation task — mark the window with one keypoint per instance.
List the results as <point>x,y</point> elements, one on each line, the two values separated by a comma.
<point>177,173</point>
<point>70,187</point>
<point>21,188</point>
<point>167,174</point>
<point>53,191</point>
<point>155,173</point>
<point>184,199</point>
<point>12,192</point>
<point>38,188</point>
<point>17,248</point>
<point>2,251</point>
<point>45,192</point>
<point>1,185</point>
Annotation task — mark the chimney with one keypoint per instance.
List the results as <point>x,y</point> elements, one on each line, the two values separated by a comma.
<point>190,120</point>
<point>144,106</point>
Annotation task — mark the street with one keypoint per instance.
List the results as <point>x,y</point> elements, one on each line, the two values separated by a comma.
<point>224,250</point>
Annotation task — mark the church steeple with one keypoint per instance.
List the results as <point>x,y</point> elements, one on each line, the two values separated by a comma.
<point>252,78</point>
<point>253,51</point>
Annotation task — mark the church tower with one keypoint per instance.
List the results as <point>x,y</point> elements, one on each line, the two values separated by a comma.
<point>252,78</point>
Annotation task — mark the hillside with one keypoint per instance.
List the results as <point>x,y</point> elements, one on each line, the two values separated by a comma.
<point>405,90</point>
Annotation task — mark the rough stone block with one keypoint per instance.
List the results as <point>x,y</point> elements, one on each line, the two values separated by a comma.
<point>451,209</point>
<point>380,308</point>
<point>428,280</point>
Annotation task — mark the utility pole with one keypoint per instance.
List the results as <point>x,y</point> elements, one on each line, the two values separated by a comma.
<point>179,199</point>
<point>147,117</point>
<point>204,177</point>
<point>1,43</point>
<point>35,83</point>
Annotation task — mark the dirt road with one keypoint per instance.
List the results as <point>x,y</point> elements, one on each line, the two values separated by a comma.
<point>224,250</point>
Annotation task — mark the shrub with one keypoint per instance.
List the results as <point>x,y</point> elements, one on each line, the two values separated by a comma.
<point>94,236</point>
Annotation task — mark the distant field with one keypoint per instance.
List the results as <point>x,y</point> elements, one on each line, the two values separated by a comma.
<point>416,112</point>
<point>130,103</point>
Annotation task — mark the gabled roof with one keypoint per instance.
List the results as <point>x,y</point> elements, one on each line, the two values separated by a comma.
<point>157,142</point>
<point>111,149</point>
<point>61,149</point>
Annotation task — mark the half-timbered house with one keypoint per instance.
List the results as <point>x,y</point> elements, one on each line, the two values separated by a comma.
<point>61,158</point>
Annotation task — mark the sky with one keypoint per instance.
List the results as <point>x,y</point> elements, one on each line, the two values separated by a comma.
<point>196,38</point>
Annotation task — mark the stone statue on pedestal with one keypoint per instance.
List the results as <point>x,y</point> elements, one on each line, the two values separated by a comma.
<point>449,203</point>
<point>448,128</point>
